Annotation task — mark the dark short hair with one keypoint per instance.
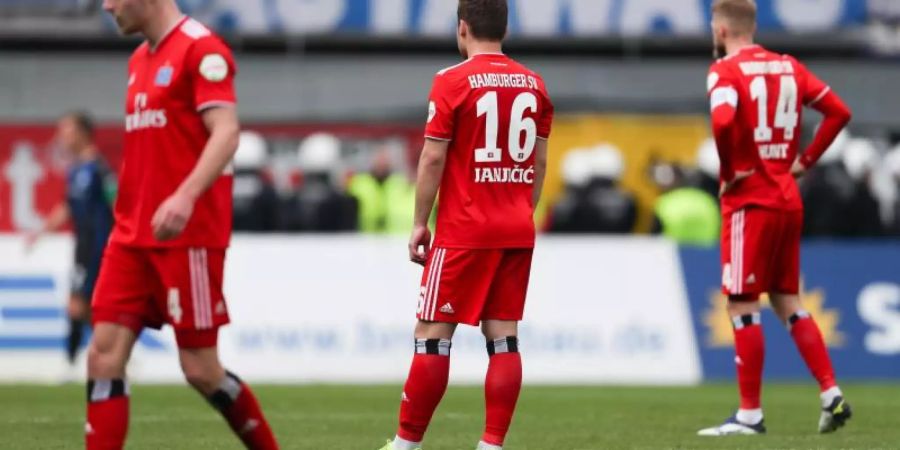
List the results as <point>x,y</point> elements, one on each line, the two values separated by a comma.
<point>487,19</point>
<point>83,121</point>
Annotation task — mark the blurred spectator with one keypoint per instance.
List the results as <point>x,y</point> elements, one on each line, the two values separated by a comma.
<point>90,190</point>
<point>256,205</point>
<point>827,190</point>
<point>862,218</point>
<point>318,205</point>
<point>687,215</point>
<point>707,177</point>
<point>836,193</point>
<point>892,165</point>
<point>385,196</point>
<point>592,201</point>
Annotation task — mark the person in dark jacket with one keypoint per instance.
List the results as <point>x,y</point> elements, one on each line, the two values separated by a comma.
<point>256,205</point>
<point>593,202</point>
<point>319,205</point>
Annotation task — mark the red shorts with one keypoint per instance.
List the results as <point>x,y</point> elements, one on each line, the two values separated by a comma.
<point>468,286</point>
<point>141,287</point>
<point>761,251</point>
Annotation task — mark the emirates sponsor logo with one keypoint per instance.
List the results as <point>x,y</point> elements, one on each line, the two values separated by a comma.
<point>143,118</point>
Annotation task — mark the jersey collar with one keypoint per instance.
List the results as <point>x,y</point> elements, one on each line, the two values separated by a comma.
<point>749,47</point>
<point>181,21</point>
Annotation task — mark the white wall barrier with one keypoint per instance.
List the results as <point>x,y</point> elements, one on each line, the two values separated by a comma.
<point>341,309</point>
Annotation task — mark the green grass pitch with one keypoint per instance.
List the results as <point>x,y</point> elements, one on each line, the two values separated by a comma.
<point>549,418</point>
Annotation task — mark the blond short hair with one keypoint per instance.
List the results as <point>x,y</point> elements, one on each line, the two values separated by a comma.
<point>740,14</point>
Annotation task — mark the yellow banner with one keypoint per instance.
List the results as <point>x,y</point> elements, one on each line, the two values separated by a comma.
<point>642,139</point>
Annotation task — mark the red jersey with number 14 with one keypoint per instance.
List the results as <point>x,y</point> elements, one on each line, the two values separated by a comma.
<point>492,110</point>
<point>768,91</point>
<point>169,87</point>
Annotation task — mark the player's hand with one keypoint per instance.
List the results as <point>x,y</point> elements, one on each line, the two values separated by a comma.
<point>31,239</point>
<point>172,216</point>
<point>738,177</point>
<point>798,169</point>
<point>419,244</point>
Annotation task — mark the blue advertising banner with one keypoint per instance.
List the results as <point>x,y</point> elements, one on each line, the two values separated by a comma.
<point>533,18</point>
<point>852,290</point>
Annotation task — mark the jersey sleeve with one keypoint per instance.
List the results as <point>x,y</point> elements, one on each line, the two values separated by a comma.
<point>723,102</point>
<point>545,122</point>
<point>212,69</point>
<point>441,110</point>
<point>720,88</point>
<point>815,89</point>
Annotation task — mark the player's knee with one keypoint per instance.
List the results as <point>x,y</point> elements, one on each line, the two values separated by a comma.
<point>739,305</point>
<point>202,379</point>
<point>203,375</point>
<point>105,360</point>
<point>499,329</point>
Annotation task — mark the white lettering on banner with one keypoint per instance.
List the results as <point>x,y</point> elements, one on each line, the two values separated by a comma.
<point>390,16</point>
<point>438,17</point>
<point>879,306</point>
<point>684,17</point>
<point>311,16</point>
<point>795,14</point>
<point>292,326</point>
<point>24,172</point>
<point>542,17</point>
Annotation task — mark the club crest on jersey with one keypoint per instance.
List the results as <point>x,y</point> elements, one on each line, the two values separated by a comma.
<point>164,76</point>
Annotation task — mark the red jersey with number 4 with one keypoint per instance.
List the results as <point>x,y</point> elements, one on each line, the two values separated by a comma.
<point>768,91</point>
<point>169,87</point>
<point>492,110</point>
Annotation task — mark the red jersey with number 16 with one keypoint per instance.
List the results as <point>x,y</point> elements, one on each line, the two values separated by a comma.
<point>768,91</point>
<point>492,110</point>
<point>169,87</point>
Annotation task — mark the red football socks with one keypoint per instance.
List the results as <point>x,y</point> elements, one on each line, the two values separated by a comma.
<point>107,414</point>
<point>239,406</point>
<point>425,386</point>
<point>811,345</point>
<point>750,348</point>
<point>501,388</point>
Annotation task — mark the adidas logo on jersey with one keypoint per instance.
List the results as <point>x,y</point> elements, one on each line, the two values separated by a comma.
<point>447,309</point>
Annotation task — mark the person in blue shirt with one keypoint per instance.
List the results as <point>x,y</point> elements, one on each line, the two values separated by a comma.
<point>90,190</point>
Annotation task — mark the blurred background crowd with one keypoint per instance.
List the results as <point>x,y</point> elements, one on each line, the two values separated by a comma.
<point>327,184</point>
<point>327,150</point>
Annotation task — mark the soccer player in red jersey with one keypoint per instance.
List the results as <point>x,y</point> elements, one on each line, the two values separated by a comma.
<point>489,119</point>
<point>165,259</point>
<point>757,99</point>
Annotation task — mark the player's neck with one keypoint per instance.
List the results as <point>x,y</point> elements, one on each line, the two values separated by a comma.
<point>161,24</point>
<point>736,45</point>
<point>87,153</point>
<point>484,48</point>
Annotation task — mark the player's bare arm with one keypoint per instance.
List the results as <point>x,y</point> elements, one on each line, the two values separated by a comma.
<point>58,217</point>
<point>540,169</point>
<point>173,214</point>
<point>431,169</point>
